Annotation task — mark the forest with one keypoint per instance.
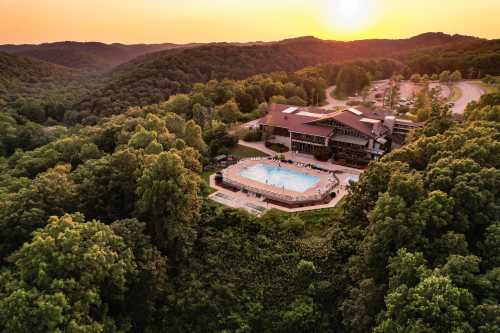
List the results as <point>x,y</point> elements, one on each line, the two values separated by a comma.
<point>105,225</point>
<point>106,228</point>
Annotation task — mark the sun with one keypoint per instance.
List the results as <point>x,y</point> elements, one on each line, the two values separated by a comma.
<point>349,9</point>
<point>349,15</point>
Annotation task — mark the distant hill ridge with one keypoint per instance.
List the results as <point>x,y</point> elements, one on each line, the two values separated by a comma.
<point>143,74</point>
<point>86,55</point>
<point>154,77</point>
<point>101,56</point>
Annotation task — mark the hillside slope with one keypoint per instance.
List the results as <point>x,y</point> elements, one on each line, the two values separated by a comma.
<point>35,87</point>
<point>91,55</point>
<point>154,77</point>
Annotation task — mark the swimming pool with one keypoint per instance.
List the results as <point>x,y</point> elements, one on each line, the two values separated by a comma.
<point>280,177</point>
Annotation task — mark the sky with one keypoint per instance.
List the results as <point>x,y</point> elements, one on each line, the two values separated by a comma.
<point>184,21</point>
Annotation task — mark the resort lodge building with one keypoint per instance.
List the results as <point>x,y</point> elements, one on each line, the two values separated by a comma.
<point>355,134</point>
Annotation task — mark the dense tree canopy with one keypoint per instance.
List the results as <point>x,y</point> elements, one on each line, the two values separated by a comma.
<point>351,80</point>
<point>105,226</point>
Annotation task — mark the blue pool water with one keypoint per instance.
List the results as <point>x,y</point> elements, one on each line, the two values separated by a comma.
<point>280,177</point>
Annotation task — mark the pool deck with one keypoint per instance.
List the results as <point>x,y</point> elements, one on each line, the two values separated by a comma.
<point>258,206</point>
<point>303,158</point>
<point>315,193</point>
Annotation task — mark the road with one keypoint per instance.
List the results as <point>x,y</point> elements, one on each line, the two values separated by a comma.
<point>377,87</point>
<point>332,102</point>
<point>471,91</point>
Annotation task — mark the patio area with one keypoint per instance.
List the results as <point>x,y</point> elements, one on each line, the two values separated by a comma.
<point>325,181</point>
<point>258,205</point>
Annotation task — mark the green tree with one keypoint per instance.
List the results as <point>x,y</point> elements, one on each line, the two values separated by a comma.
<point>445,76</point>
<point>200,114</point>
<point>66,278</point>
<point>456,76</point>
<point>194,137</point>
<point>416,78</point>
<point>50,193</point>
<point>106,187</point>
<point>179,104</point>
<point>433,305</point>
<point>351,80</point>
<point>228,112</point>
<point>142,138</point>
<point>148,289</point>
<point>169,201</point>
<point>175,124</point>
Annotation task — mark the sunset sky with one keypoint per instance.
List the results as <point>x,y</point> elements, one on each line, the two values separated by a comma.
<point>181,21</point>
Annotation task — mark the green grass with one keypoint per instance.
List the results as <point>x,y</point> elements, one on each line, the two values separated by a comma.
<point>278,148</point>
<point>317,222</point>
<point>205,175</point>
<point>240,152</point>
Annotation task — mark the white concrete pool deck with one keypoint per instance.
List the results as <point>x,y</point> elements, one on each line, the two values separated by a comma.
<point>250,202</point>
<point>326,181</point>
<point>258,206</point>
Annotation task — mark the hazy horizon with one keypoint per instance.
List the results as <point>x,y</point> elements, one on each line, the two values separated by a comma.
<point>229,41</point>
<point>202,21</point>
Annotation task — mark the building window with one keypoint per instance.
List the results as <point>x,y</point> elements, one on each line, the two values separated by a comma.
<point>309,138</point>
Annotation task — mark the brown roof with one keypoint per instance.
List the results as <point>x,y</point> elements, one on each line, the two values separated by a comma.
<point>299,121</point>
<point>350,119</point>
<point>294,121</point>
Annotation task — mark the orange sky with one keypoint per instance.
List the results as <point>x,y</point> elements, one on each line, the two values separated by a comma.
<point>135,21</point>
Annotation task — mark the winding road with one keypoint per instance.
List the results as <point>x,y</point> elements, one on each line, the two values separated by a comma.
<point>471,91</point>
<point>332,102</point>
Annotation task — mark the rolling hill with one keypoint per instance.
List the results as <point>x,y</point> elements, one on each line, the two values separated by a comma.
<point>35,87</point>
<point>154,77</point>
<point>89,56</point>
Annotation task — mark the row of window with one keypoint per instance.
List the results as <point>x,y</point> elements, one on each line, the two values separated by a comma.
<point>309,138</point>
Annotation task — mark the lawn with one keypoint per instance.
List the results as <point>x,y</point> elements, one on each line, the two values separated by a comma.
<point>240,152</point>
<point>278,147</point>
<point>319,216</point>
<point>317,222</point>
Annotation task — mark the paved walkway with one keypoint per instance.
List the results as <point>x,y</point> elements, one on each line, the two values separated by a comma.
<point>303,158</point>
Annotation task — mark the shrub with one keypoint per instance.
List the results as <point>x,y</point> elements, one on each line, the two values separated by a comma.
<point>277,147</point>
<point>253,136</point>
<point>322,155</point>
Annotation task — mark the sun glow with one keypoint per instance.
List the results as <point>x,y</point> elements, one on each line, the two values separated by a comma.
<point>350,15</point>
